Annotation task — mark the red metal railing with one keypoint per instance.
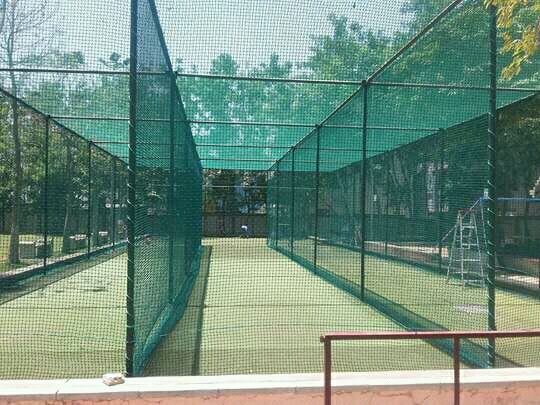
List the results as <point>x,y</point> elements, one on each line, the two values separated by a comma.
<point>454,335</point>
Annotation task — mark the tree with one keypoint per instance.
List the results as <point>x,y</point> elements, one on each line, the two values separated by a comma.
<point>350,52</point>
<point>518,143</point>
<point>2,15</point>
<point>23,41</point>
<point>519,21</point>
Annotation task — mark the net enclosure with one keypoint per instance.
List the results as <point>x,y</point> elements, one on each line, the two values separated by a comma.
<point>206,187</point>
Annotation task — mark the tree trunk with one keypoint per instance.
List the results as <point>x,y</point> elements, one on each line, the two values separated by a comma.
<point>13,256</point>
<point>67,218</point>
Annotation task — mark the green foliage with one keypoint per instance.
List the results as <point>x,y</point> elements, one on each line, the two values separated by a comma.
<point>519,148</point>
<point>519,21</point>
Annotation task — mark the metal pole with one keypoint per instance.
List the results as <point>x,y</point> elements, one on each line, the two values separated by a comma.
<point>89,213</point>
<point>292,201</point>
<point>327,372</point>
<point>132,176</point>
<point>46,195</point>
<point>269,195</point>
<point>263,79</point>
<point>278,180</point>
<point>492,188</point>
<point>172,214</point>
<point>363,193</point>
<point>185,221</point>
<point>114,202</point>
<point>353,203</point>
<point>267,79</point>
<point>317,186</point>
<point>415,39</point>
<point>453,87</point>
<point>456,357</point>
<point>441,197</point>
<point>386,219</point>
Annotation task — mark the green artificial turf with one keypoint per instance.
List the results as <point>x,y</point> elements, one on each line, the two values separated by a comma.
<point>252,310</point>
<point>263,313</point>
<point>74,327</point>
<point>447,304</point>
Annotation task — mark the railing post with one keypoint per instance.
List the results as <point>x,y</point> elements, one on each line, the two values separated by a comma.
<point>327,371</point>
<point>363,193</point>
<point>492,178</point>
<point>46,194</point>
<point>317,186</point>
<point>456,337</point>
<point>456,352</point>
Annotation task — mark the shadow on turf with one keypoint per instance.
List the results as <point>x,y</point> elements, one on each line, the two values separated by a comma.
<point>179,352</point>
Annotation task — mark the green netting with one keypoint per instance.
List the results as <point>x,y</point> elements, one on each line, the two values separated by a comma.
<point>62,284</point>
<point>212,198</point>
<point>386,226</point>
<point>167,195</point>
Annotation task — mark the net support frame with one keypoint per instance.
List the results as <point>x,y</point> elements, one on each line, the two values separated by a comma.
<point>131,204</point>
<point>292,200</point>
<point>490,180</point>
<point>491,184</point>
<point>363,197</point>
<point>317,187</point>
<point>386,209</point>
<point>89,205</point>
<point>46,192</point>
<point>113,204</point>
<point>172,213</point>
<point>440,206</point>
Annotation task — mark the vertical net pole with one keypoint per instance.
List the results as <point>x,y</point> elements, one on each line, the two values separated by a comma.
<point>363,193</point>
<point>269,213</point>
<point>113,202</point>
<point>317,184</point>
<point>46,194</point>
<point>538,267</point>
<point>170,208</point>
<point>186,218</point>
<point>292,201</point>
<point>89,213</point>
<point>278,186</point>
<point>132,176</point>
<point>492,189</point>
<point>441,197</point>
<point>354,207</point>
<point>386,208</point>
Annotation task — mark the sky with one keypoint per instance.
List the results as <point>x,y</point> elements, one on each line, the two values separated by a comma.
<point>198,31</point>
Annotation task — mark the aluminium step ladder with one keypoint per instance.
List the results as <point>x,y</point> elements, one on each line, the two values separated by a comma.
<point>465,257</point>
